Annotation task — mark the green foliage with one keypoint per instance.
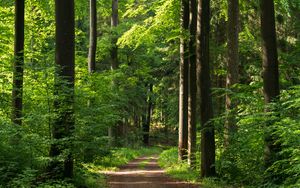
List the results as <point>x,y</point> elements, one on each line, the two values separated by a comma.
<point>243,161</point>
<point>121,156</point>
<point>287,129</point>
<point>168,159</point>
<point>148,52</point>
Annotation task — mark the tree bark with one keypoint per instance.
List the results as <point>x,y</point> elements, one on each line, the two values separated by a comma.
<point>114,23</point>
<point>270,71</point>
<point>146,127</point>
<point>113,131</point>
<point>269,47</point>
<point>183,83</point>
<point>93,36</point>
<point>192,85</point>
<point>17,92</point>
<point>204,84</point>
<point>232,68</point>
<point>63,89</point>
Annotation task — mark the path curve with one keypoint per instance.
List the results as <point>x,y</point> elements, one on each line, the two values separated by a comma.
<point>144,172</point>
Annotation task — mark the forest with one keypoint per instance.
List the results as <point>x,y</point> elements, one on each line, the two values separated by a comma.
<point>149,93</point>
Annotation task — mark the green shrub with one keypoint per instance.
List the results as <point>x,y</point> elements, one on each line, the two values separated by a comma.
<point>168,160</point>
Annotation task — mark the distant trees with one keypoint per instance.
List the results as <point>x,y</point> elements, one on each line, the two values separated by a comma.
<point>18,68</point>
<point>146,124</point>
<point>93,36</point>
<point>204,85</point>
<point>63,124</point>
<point>183,82</point>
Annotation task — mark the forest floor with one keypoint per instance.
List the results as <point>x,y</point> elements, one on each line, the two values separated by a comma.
<point>144,172</point>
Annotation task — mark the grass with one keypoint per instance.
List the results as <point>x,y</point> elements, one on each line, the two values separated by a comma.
<point>91,174</point>
<point>168,160</point>
<point>121,156</point>
<point>143,164</point>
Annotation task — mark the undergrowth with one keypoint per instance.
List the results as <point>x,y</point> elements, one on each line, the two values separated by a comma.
<point>121,156</point>
<point>93,172</point>
<point>168,160</point>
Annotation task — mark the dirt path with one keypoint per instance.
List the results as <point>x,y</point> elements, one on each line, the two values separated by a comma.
<point>143,172</point>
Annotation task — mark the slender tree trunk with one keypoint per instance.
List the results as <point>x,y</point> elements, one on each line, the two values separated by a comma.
<point>17,92</point>
<point>64,89</point>
<point>146,127</point>
<point>192,85</point>
<point>204,84</point>
<point>232,67</point>
<point>270,72</point>
<point>113,131</point>
<point>183,83</point>
<point>114,23</point>
<point>93,36</point>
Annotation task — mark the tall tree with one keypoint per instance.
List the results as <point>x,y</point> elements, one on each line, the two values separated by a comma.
<point>93,36</point>
<point>232,66</point>
<point>113,131</point>
<point>270,71</point>
<point>204,84</point>
<point>192,85</point>
<point>114,23</point>
<point>146,125</point>
<point>183,82</point>
<point>64,89</point>
<point>17,92</point>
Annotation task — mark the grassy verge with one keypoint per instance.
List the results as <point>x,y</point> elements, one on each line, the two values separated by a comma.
<point>121,156</point>
<point>168,160</point>
<point>91,174</point>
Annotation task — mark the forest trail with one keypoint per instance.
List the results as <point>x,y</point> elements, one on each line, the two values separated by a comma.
<point>144,172</point>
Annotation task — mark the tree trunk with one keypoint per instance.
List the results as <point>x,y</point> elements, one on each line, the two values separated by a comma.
<point>113,131</point>
<point>17,92</point>
<point>204,84</point>
<point>270,72</point>
<point>183,83</point>
<point>93,36</point>
<point>114,23</point>
<point>146,127</point>
<point>232,68</point>
<point>63,89</point>
<point>192,85</point>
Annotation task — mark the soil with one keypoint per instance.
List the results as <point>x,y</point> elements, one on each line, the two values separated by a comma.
<point>144,172</point>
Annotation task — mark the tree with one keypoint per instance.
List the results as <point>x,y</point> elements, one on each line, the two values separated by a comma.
<point>192,85</point>
<point>115,132</point>
<point>183,82</point>
<point>93,36</point>
<point>270,71</point>
<point>64,89</point>
<point>146,125</point>
<point>232,67</point>
<point>17,92</point>
<point>114,23</point>
<point>204,84</point>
